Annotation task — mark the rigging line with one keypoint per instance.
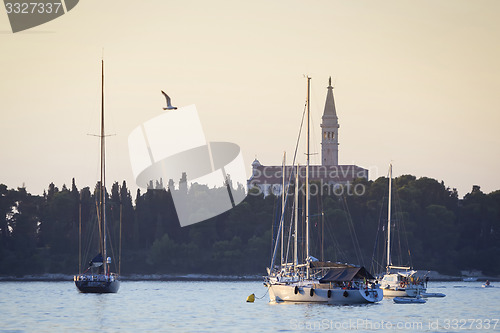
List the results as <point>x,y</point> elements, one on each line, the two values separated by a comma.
<point>375,246</point>
<point>99,222</point>
<point>322,223</point>
<point>273,227</point>
<point>300,131</point>
<point>289,179</point>
<point>297,147</point>
<point>403,226</point>
<point>112,249</point>
<point>277,239</point>
<point>276,221</point>
<point>338,249</point>
<point>90,237</point>
<point>289,237</point>
<point>292,174</point>
<point>399,239</point>
<point>350,223</point>
<point>397,224</point>
<point>120,244</point>
<point>302,228</point>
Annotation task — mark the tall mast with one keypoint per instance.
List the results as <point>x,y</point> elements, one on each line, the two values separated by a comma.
<point>103,172</point>
<point>307,177</point>
<point>80,234</point>
<point>283,208</point>
<point>389,220</point>
<point>296,216</point>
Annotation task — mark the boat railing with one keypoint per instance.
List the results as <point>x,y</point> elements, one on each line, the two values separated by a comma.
<point>99,278</point>
<point>351,285</point>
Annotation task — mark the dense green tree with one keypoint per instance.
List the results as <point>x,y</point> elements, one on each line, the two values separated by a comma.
<point>431,226</point>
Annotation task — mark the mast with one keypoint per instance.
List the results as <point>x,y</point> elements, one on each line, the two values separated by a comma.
<point>80,234</point>
<point>103,173</point>
<point>322,235</point>
<point>120,246</point>
<point>296,216</point>
<point>389,220</point>
<point>283,207</point>
<point>307,177</point>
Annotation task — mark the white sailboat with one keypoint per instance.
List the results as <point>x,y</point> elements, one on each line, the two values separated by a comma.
<point>98,278</point>
<point>313,281</point>
<point>398,281</point>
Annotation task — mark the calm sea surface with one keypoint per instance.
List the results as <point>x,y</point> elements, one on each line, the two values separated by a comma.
<point>221,307</point>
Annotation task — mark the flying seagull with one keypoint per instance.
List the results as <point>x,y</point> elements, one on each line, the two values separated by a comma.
<point>169,105</point>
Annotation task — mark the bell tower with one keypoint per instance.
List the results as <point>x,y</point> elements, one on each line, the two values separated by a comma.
<point>330,130</point>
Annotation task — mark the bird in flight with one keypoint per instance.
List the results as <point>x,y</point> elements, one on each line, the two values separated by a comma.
<point>169,103</point>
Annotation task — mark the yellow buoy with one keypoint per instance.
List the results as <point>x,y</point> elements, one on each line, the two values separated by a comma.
<point>251,298</point>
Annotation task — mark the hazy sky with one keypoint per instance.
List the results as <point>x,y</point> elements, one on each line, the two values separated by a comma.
<point>416,83</point>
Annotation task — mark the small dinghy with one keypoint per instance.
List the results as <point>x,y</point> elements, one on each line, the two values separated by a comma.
<point>432,295</point>
<point>409,300</point>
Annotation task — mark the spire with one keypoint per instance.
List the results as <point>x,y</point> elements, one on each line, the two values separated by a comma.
<point>330,102</point>
<point>330,128</point>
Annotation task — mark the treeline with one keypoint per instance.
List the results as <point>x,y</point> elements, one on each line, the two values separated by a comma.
<point>40,234</point>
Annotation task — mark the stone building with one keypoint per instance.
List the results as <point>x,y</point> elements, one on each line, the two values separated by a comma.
<point>269,178</point>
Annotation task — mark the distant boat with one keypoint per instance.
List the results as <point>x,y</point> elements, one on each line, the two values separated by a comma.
<point>313,281</point>
<point>427,295</point>
<point>407,300</point>
<point>398,281</point>
<point>470,279</point>
<point>487,284</point>
<point>97,278</point>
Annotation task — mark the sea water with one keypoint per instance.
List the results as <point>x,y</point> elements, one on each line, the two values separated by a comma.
<point>215,306</point>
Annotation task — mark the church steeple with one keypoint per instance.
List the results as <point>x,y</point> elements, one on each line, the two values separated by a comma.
<point>330,128</point>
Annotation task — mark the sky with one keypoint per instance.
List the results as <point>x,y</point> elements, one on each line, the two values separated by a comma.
<point>416,84</point>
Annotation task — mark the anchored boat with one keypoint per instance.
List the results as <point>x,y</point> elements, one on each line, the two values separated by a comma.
<point>398,281</point>
<point>98,278</point>
<point>314,281</point>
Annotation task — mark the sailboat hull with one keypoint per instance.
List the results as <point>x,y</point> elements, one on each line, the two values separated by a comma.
<point>288,293</point>
<point>408,292</point>
<point>97,286</point>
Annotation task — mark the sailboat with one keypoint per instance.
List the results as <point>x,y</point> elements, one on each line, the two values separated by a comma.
<point>314,281</point>
<point>398,281</point>
<point>98,278</point>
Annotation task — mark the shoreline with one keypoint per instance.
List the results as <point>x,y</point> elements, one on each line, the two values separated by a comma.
<point>433,277</point>
<point>137,277</point>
